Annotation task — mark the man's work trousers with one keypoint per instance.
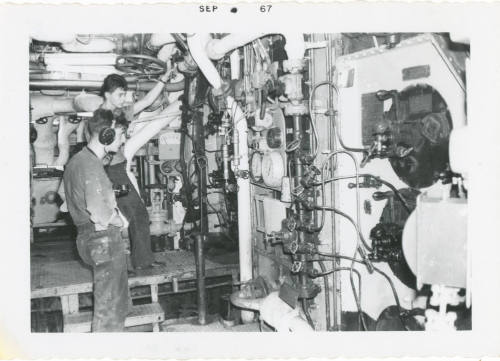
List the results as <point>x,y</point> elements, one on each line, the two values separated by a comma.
<point>104,251</point>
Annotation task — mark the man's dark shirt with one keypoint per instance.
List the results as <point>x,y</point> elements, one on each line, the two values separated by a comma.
<point>89,192</point>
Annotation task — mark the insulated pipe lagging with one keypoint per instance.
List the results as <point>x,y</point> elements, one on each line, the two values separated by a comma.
<point>45,143</point>
<point>244,217</point>
<point>234,60</point>
<point>217,48</point>
<point>197,46</point>
<point>159,39</point>
<point>203,48</point>
<point>240,300</point>
<point>46,106</point>
<point>93,45</point>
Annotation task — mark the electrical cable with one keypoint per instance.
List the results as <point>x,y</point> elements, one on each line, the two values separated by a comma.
<point>312,119</point>
<point>396,297</point>
<point>384,182</point>
<point>349,218</point>
<point>357,295</point>
<point>306,312</point>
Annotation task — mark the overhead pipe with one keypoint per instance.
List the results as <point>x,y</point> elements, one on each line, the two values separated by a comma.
<point>46,106</point>
<point>203,48</point>
<point>93,45</point>
<point>87,59</point>
<point>197,47</point>
<point>53,38</point>
<point>159,39</point>
<point>72,43</point>
<point>96,85</point>
<point>217,48</point>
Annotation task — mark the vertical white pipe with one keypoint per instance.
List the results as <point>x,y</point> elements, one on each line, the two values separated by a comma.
<point>244,218</point>
<point>234,59</point>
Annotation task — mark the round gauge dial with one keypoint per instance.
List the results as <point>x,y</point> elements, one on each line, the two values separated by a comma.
<point>273,169</point>
<point>256,167</point>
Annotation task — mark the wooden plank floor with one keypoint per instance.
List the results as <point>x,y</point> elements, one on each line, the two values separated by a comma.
<point>52,277</point>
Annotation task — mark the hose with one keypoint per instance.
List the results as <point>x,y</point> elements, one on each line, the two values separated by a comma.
<point>357,296</point>
<point>384,182</point>
<point>395,294</point>
<point>306,312</point>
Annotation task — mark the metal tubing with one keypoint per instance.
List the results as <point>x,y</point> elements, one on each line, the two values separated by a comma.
<point>297,134</point>
<point>332,144</point>
<point>201,295</point>
<point>201,169</point>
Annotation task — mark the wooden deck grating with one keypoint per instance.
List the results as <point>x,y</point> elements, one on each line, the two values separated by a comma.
<point>49,279</point>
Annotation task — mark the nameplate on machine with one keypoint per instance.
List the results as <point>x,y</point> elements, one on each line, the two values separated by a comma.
<point>416,72</point>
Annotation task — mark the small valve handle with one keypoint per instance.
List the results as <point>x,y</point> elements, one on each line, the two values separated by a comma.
<point>296,266</point>
<point>380,196</point>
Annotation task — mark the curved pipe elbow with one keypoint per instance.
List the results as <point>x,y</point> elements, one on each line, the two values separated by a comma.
<point>159,39</point>
<point>197,43</point>
<point>239,300</point>
<point>217,48</point>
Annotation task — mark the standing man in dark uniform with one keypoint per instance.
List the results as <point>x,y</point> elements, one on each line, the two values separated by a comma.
<point>92,205</point>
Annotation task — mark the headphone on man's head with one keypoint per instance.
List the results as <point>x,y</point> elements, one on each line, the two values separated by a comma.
<point>107,135</point>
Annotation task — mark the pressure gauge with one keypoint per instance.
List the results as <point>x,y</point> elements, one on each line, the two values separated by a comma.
<point>256,167</point>
<point>273,169</point>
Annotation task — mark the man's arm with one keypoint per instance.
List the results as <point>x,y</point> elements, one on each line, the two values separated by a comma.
<point>100,202</point>
<point>151,128</point>
<point>151,96</point>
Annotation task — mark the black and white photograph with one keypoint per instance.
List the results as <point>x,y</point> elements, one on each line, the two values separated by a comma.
<point>229,181</point>
<point>249,182</point>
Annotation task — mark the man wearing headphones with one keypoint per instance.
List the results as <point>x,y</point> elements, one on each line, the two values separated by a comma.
<point>92,205</point>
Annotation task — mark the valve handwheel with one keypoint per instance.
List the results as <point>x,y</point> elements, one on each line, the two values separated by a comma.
<point>142,65</point>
